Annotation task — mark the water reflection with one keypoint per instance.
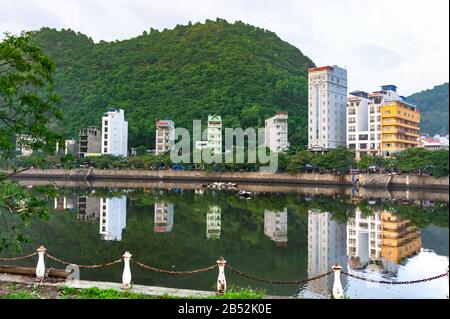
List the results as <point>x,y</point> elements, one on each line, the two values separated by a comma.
<point>378,239</point>
<point>276,226</point>
<point>163,217</point>
<point>326,246</point>
<point>213,222</point>
<point>113,217</point>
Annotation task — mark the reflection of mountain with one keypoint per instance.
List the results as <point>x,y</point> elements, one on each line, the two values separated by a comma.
<point>275,227</point>
<point>213,222</point>
<point>113,217</point>
<point>326,246</point>
<point>163,217</point>
<point>380,240</point>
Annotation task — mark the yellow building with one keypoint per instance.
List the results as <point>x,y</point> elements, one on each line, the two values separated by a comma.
<point>399,127</point>
<point>400,240</point>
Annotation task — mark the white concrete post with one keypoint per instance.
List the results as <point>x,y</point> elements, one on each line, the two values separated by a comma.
<point>221,281</point>
<point>40,267</point>
<point>126,276</point>
<point>447,284</point>
<point>338,292</point>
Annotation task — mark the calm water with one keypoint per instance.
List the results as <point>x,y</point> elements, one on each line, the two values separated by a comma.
<point>278,236</point>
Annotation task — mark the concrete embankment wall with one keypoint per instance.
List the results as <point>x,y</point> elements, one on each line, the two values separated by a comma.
<point>364,180</point>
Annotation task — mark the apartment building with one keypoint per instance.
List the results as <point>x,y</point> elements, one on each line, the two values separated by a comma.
<point>88,208</point>
<point>399,127</point>
<point>165,136</point>
<point>327,99</point>
<point>114,133</point>
<point>364,119</point>
<point>89,141</point>
<point>276,132</point>
<point>214,133</point>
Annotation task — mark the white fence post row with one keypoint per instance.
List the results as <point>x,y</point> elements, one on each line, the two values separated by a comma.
<point>40,267</point>
<point>338,292</point>
<point>126,276</point>
<point>221,281</point>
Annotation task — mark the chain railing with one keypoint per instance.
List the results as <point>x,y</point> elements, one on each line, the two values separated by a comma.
<point>84,266</point>
<point>173,272</point>
<point>277,282</point>
<point>18,258</point>
<point>337,293</point>
<point>387,282</point>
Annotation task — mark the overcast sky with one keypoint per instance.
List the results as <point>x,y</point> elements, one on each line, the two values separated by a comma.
<point>402,42</point>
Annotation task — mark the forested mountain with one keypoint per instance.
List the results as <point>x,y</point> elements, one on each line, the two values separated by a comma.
<point>241,72</point>
<point>433,105</point>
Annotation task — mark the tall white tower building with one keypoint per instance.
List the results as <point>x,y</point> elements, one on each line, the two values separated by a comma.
<point>327,101</point>
<point>114,133</point>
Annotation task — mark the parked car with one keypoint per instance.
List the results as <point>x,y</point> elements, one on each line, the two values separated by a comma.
<point>309,168</point>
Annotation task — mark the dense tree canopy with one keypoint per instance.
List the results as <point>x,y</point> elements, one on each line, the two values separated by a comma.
<point>244,73</point>
<point>433,105</point>
<point>27,106</point>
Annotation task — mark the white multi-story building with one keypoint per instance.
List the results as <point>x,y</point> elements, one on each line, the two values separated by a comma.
<point>364,239</point>
<point>163,217</point>
<point>213,222</point>
<point>276,132</point>
<point>113,217</point>
<point>326,247</point>
<point>165,136</point>
<point>276,227</point>
<point>327,100</point>
<point>364,119</point>
<point>215,133</point>
<point>114,133</point>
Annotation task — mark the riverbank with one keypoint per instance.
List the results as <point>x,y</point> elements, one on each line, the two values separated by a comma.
<point>385,181</point>
<point>24,287</point>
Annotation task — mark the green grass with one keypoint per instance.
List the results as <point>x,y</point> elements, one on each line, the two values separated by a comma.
<point>241,293</point>
<point>17,291</point>
<point>96,293</point>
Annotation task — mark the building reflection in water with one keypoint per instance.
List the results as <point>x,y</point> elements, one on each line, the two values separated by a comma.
<point>113,215</point>
<point>275,227</point>
<point>381,241</point>
<point>65,202</point>
<point>88,208</point>
<point>163,217</point>
<point>213,222</point>
<point>326,246</point>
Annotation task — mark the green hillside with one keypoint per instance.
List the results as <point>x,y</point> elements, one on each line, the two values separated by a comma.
<point>433,105</point>
<point>241,72</point>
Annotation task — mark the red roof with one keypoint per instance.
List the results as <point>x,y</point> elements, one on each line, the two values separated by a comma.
<point>322,68</point>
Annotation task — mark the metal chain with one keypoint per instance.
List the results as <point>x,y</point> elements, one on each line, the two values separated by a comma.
<point>18,258</point>
<point>406,282</point>
<point>84,266</point>
<point>171,272</point>
<point>279,282</point>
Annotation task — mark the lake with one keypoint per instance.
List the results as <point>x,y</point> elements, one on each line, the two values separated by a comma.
<point>274,235</point>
